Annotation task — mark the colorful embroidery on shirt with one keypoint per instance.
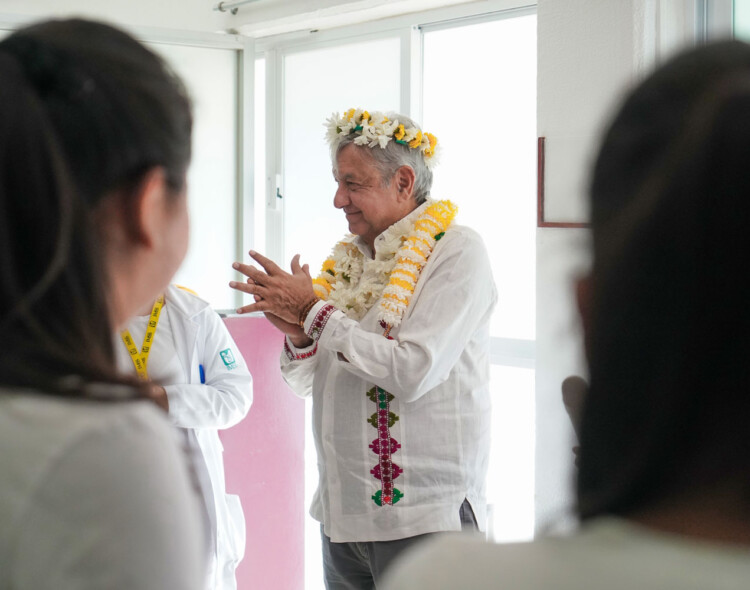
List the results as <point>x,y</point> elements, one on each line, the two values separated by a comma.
<point>320,321</point>
<point>384,446</point>
<point>292,356</point>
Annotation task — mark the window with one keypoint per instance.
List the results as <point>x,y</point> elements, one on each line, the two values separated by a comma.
<point>318,82</point>
<point>439,74</point>
<point>210,75</point>
<point>327,81</point>
<point>484,112</point>
<point>216,75</point>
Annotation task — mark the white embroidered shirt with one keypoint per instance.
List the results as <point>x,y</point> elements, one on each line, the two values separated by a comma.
<point>436,367</point>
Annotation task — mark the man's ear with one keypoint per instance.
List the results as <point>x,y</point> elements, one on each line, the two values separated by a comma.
<point>149,200</point>
<point>404,179</point>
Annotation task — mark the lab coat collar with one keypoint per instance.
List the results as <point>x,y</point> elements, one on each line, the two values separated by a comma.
<point>187,303</point>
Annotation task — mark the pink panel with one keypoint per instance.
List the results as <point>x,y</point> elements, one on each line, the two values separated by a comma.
<point>263,458</point>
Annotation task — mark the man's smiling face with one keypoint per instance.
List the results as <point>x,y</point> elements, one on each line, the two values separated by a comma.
<point>370,206</point>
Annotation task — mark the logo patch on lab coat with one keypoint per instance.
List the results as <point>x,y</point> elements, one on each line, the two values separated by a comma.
<point>228,358</point>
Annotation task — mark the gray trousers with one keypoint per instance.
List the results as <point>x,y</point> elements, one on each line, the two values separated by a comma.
<point>360,566</point>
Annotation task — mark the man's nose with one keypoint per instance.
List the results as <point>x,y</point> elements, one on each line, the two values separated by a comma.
<point>341,198</point>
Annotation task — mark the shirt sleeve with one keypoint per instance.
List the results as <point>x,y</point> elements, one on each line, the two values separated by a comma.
<point>226,396</point>
<point>298,364</point>
<point>455,298</point>
<point>117,510</point>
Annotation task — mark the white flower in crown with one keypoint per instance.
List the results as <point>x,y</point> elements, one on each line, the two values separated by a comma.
<point>377,130</point>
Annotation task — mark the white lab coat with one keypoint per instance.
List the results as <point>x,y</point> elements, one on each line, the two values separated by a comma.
<point>201,339</point>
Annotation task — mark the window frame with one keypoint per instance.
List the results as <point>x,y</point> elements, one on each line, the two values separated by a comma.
<point>406,27</point>
<point>410,30</point>
<point>244,210</point>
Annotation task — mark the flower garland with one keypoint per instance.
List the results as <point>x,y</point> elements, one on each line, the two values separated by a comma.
<point>354,285</point>
<point>378,130</point>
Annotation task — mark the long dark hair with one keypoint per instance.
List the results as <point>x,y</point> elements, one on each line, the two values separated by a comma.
<point>85,111</point>
<point>669,328</point>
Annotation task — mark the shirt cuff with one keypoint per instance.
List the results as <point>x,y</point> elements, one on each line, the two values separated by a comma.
<point>317,318</point>
<point>299,354</point>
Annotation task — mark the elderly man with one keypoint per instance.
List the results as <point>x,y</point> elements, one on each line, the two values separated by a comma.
<point>391,340</point>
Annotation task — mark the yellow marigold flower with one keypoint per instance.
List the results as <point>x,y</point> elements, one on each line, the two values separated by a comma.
<point>322,283</point>
<point>403,283</point>
<point>409,262</point>
<point>406,273</point>
<point>425,223</point>
<point>417,141</point>
<point>416,240</point>
<point>400,132</point>
<point>396,298</point>
<point>385,119</point>
<point>432,139</point>
<point>349,114</point>
<point>365,116</point>
<point>328,265</point>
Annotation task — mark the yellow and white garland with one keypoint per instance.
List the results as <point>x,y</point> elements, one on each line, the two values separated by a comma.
<point>354,284</point>
<point>377,129</point>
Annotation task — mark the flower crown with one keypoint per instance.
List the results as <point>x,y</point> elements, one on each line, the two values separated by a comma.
<point>377,129</point>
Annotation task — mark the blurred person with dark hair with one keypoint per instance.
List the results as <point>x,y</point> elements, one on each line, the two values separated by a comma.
<point>94,148</point>
<point>664,479</point>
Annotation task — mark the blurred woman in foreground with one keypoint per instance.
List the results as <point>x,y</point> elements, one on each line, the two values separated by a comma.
<point>94,148</point>
<point>664,479</point>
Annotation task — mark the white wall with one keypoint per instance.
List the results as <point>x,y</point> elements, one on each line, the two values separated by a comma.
<point>589,52</point>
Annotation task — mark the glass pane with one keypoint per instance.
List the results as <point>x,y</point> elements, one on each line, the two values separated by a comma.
<point>316,84</point>
<point>480,101</point>
<point>211,79</point>
<point>510,480</point>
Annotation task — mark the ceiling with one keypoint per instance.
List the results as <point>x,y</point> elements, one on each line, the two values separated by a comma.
<point>261,18</point>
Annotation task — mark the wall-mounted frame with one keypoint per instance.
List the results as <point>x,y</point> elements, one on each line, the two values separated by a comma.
<point>541,221</point>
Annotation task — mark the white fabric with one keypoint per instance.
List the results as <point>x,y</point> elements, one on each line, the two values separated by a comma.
<point>164,366</point>
<point>94,495</point>
<point>437,368</point>
<point>608,554</point>
<point>199,338</point>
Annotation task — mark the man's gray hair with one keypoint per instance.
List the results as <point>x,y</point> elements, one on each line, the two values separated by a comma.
<point>394,155</point>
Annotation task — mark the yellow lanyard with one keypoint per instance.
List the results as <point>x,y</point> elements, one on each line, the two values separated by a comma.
<point>140,359</point>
